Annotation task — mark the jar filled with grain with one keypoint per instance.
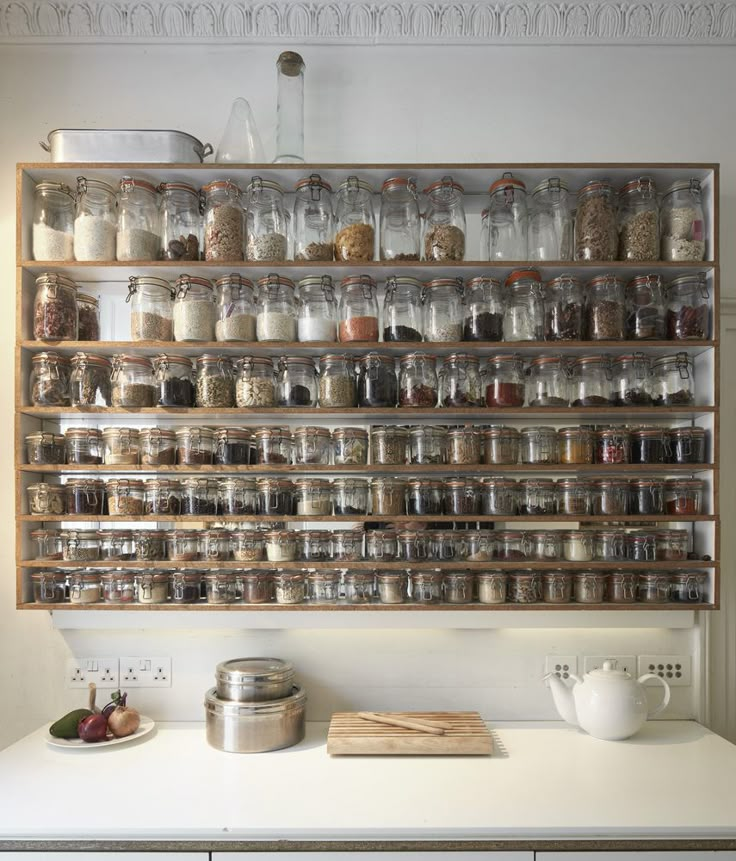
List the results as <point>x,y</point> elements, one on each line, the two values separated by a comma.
<point>399,225</point>
<point>358,309</point>
<point>233,446</point>
<point>151,308</point>
<point>82,446</point>
<point>195,446</point>
<point>313,496</point>
<point>276,311</point>
<point>483,308</point>
<point>289,587</point>
<point>575,445</point>
<point>235,316</point>
<point>424,497</point>
<point>523,318</point>
<point>53,221</point>
<point>194,309</point>
<point>673,381</point>
<point>88,310</point>
<point>550,221</point>
<point>596,233</point>
<point>355,224</point>
<point>274,445</point>
<point>501,445</point>
<point>43,447</point>
<point>418,384</point>
<point>296,382</point>
<point>683,222</point>
<point>89,381</point>
<point>537,497</point>
<point>428,444</point>
<point>499,496</point>
<point>85,496</point>
<point>151,588</point>
<point>139,221</point>
<point>605,309</point>
<point>563,309</point>
<point>460,382</point>
<point>132,381</point>
<point>402,309</point>
<point>574,496</point>
<point>174,377</point>
<point>125,496</point>
<point>337,387</point>
<point>631,380</point>
<point>248,545</point>
<point>162,496</point>
<point>645,308</point>
<point>313,222</point>
<point>612,445</point>
<point>280,545</point>
<point>121,446</point>
<point>266,228</point>
<point>577,546</point>
<point>492,587</point>
<point>388,496</point>
<point>611,496</point>
<point>350,446</point>
<point>389,445</point>
<point>116,544</point>
<point>463,446</point>
<point>85,587</point>
<point>80,545</point>
<point>524,587</point>
<point>199,495</point>
<point>275,496</point>
<point>317,314</point>
<point>215,386</point>
<point>443,310</point>
<point>590,382</point>
<point>505,381</point>
<point>95,221</point>
<point>480,545</point>
<point>46,498</point>
<point>236,496</point>
<point>688,309</point>
<point>549,382</point>
<point>157,446</point>
<point>182,225</point>
<point>224,222</point>
<point>638,220</point>
<point>377,382</point>
<point>508,219</point>
<point>55,314</point>
<point>255,382</point>
<point>444,227</point>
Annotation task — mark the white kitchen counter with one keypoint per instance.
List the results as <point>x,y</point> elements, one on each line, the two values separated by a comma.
<point>547,781</point>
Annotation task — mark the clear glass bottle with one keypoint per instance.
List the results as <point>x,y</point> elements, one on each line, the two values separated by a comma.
<point>505,382</point>
<point>605,309</point>
<point>53,221</point>
<point>673,381</point>
<point>194,309</point>
<point>276,309</point>
<point>444,227</point>
<point>443,310</point>
<point>89,381</point>
<point>337,385</point>
<point>523,318</point>
<point>631,380</point>
<point>563,309</point>
<point>501,445</point>
<point>151,308</point>
<point>313,223</point>
<point>88,310</point>
<point>590,382</point>
<point>296,382</point>
<point>508,219</point>
<point>644,308</point>
<point>402,309</point>
<point>121,446</point>
<point>483,310</point>
<point>235,310</point>
<point>224,222</point>
<point>596,233</point>
<point>355,223</point>
<point>139,222</point>
<point>266,229</point>
<point>255,382</point>
<point>683,226</point>
<point>132,381</point>
<point>96,221</point>
<point>538,445</point>
<point>549,382</point>
<point>350,446</point>
<point>317,314</point>
<point>418,381</point>
<point>174,377</point>
<point>389,445</point>
<point>49,380</point>
<point>460,382</point>
<point>312,445</point>
<point>182,225</point>
<point>289,108</point>
<point>688,309</point>
<point>550,221</point>
<point>399,225</point>
<point>638,220</point>
<point>55,315</point>
<point>358,309</point>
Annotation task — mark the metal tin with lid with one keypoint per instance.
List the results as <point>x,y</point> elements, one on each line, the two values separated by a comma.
<point>248,680</point>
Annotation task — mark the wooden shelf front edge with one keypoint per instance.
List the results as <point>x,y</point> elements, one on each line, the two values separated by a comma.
<point>369,518</point>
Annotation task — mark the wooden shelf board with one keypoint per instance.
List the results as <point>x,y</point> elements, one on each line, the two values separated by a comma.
<point>368,518</point>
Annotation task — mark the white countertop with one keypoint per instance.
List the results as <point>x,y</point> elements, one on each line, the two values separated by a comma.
<point>546,780</point>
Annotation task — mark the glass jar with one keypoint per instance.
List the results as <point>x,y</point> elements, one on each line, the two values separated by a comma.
<point>443,228</point>
<point>224,222</point>
<point>393,587</point>
<point>611,496</point>
<point>428,444</point>
<point>265,219</point>
<point>215,385</point>
<point>88,312</point>
<point>687,313</point>
<point>199,495</point>
<point>462,496</point>
<point>590,587</point>
<point>388,497</point>
<point>337,389</point>
<point>151,588</point>
<point>399,224</point>
<point>485,235</point>
<point>648,445</point>
<point>501,445</point>
<point>612,445</point>
<point>359,587</point>
<point>596,233</point>
<point>85,496</point>
<point>683,222</point>
<point>355,224</point>
<point>80,545</point>
<point>254,382</point>
<point>460,382</point>
<point>151,308</point>
<point>523,318</point>
<point>274,445</point>
<point>538,445</point>
<point>448,545</point>
<point>418,380</point>
<point>350,496</point>
<point>686,445</point>
<point>358,309</point>
<point>49,587</point>
<point>377,383</point>
<point>215,545</point>
<point>381,545</point>
<point>402,309</point>
<point>673,381</point>
<point>296,382</point>
<point>457,587</point>
<point>563,309</point>
<point>426,587</point>
<point>389,445</point>
<point>275,496</point>
<point>537,497</point>
<point>549,382</point>
<point>195,446</point>
<point>631,380</point>
<point>483,309</point>
<point>174,379</point>
<point>323,587</point>
<point>524,587</point>
<point>480,545</point>
<point>149,544</point>
<point>48,543</point>
<point>220,587</point>
<point>162,496</point>
<point>89,381</point>
<point>116,544</point>
<point>317,315</point>
<point>289,587</point>
<point>653,587</point>
<point>248,545</point>
<point>550,221</point>
<point>463,446</point>
<point>645,308</point>
<point>641,546</point>
<point>313,545</point>
<point>492,587</point>
<point>638,220</point>
<point>575,445</point>
<point>194,309</point>
<point>139,222</point>
<point>236,496</point>
<point>574,497</point>
<point>590,382</point>
<point>44,448</point>
<point>507,219</point>
<point>313,496</point>
<point>121,446</point>
<point>313,223</point>
<point>543,545</point>
<point>683,496</point>
<point>424,497</point>
<point>96,221</point>
<point>276,309</point>
<point>347,545</point>
<point>132,382</point>
<point>443,310</point>
<point>185,587</point>
<point>45,498</point>
<point>125,497</point>
<point>85,587</point>
<point>232,446</point>
<point>312,445</point>
<point>235,312</point>
<point>413,546</point>
<point>609,546</point>
<point>688,587</point>
<point>157,447</point>
<point>182,226</point>
<point>499,496</point>
<point>672,545</point>
<point>182,545</point>
<point>646,496</point>
<point>605,309</point>
<point>53,221</point>
<point>55,316</point>
<point>556,587</point>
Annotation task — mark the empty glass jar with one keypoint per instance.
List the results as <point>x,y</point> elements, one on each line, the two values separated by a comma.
<point>507,219</point>
<point>399,225</point>
<point>550,221</point>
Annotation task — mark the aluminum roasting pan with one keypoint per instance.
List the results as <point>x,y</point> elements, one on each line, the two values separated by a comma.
<point>125,145</point>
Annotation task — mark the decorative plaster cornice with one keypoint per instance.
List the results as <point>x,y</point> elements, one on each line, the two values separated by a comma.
<point>402,22</point>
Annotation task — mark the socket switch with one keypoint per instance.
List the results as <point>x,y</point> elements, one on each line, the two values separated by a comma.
<point>561,665</point>
<point>145,672</point>
<point>674,669</point>
<point>104,672</point>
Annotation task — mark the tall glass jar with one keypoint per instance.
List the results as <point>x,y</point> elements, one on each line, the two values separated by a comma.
<point>683,222</point>
<point>596,234</point>
<point>317,315</point>
<point>235,315</point>
<point>224,222</point>
<point>505,381</point>
<point>337,387</point>
<point>399,225</point>
<point>631,380</point>
<point>507,219</point>
<point>550,221</point>
<point>443,310</point>
<point>255,384</point>
<point>355,223</point>
<point>418,381</point>
<point>590,382</point>
<point>296,382</point>
<point>139,223</point>
<point>485,234</point>
<point>459,381</point>
<point>88,308</point>
<point>523,318</point>
<point>266,228</point>
<point>605,309</point>
<point>549,382</point>
<point>673,381</point>
<point>638,220</point>
<point>89,382</point>
<point>313,223</point>
<point>215,385</point>
<point>151,308</point>
<point>55,315</point>
<point>49,380</point>
<point>688,310</point>
<point>132,382</point>
<point>483,310</point>
<point>53,221</point>
<point>358,309</point>
<point>500,445</point>
<point>174,381</point>
<point>96,221</point>
<point>194,309</point>
<point>377,383</point>
<point>644,308</point>
<point>402,309</point>
<point>563,309</point>
<point>276,309</point>
<point>182,227</point>
<point>444,228</point>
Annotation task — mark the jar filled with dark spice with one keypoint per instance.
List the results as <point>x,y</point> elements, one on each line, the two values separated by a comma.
<point>381,545</point>
<point>505,382</point>
<point>413,546</point>
<point>538,445</point>
<point>631,381</point>
<point>314,222</point>
<point>151,308</point>
<point>442,313</point>
<point>116,544</point>
<point>185,586</point>
<point>462,496</point>
<point>49,380</point>
<point>537,496</point>
<point>686,445</point>
<point>622,587</point>
<point>46,498</point>
<point>276,309</point>
<point>523,318</point>
<point>48,543</point>
<point>424,496</point>
<point>590,382</point>
<point>125,496</point>
<point>195,446</point>
<point>121,446</point>
<point>388,497</point>
<point>575,445</point>
<point>235,315</point>
<point>688,310</point>
<point>347,545</point>
<point>596,233</point>
<point>350,496</point>
<point>174,378</point>
<point>688,587</point>
<point>255,382</point>
<point>337,389</point>
<point>199,495</point>
<point>483,309</point>
<point>673,381</point>
<point>556,587</point>
<point>428,444</point>
<point>641,546</point>
<point>89,381</point>
<point>402,309</point>
<point>647,496</point>
<point>132,381</point>
<point>157,446</point>
<point>612,445</point>
<point>574,497</point>
<point>312,445</point>
<point>232,446</point>
<point>609,545</point>
<point>377,383</point>
<point>611,496</point>
<point>499,496</point>
<point>236,495</point>
<point>55,316</point>
<point>224,222</point>
<point>274,445</point>
<point>549,382</point>
<point>355,230</point>
<point>399,224</point>
<point>162,496</point>
<point>358,309</point>
<point>460,381</point>
<point>524,587</point>
<point>443,228</point>
<point>85,496</point>
<point>648,445</point>
<point>317,315</point>
<point>88,309</point>
<point>645,308</point>
<point>463,446</point>
<point>182,228</point>
<point>563,309</point>
<point>215,385</point>
<point>275,496</point>
<point>672,544</point>
<point>638,220</point>
<point>426,586</point>
<point>80,545</point>
<point>550,221</point>
<point>296,382</point>
<point>44,448</point>
<point>500,445</point>
<point>389,445</point>
<point>605,309</point>
<point>418,381</point>
<point>683,496</point>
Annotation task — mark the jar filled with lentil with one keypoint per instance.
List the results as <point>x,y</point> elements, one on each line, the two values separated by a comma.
<point>276,309</point>
<point>523,318</point>
<point>125,496</point>
<point>215,385</point>
<point>121,446</point>
<point>686,445</point>
<point>116,544</point>
<point>80,545</point>
<point>296,382</point>
<point>574,496</point>
<point>89,381</point>
<point>355,224</point>
<point>88,308</point>
<point>537,496</point>
<point>653,587</point>
<point>646,496</point>
<point>442,306</point>
<point>199,495</point>
<point>683,496</point>
<point>609,545</point>
<point>631,381</point>
<point>544,545</point>
<point>312,445</point>
<point>611,496</point>
<point>402,309</point>
<point>612,445</point>
<point>182,545</point>
<point>556,587</point>
<point>460,381</point>
<point>458,586</point>
<point>350,447</point>
<point>162,496</point>
<point>462,496</point>
<point>317,314</point>
<point>492,587</point>
<point>235,312</point>
<point>444,228</point>
<point>645,308</point>
<point>313,496</point>
<point>220,587</point>
<point>538,445</point>
<point>499,496</point>
<point>275,496</point>
<point>289,587</point>
<point>413,546</point>
<point>590,381</point>
<point>575,445</point>
<point>132,381</point>
<point>49,543</point>
<point>550,221</point>
<point>255,384</point>
<point>149,544</point>
<point>377,383</point>
<point>672,545</point>
<point>49,587</point>
<point>347,545</point>
<point>55,315</point>
<point>389,445</point>
<point>426,587</point>
<point>323,587</point>
<point>195,446</point>
<point>596,233</point>
<point>687,315</point>
<point>418,381</point>
<point>274,445</point>
<point>265,221</point>
<point>185,587</point>
<point>53,221</point>
<point>358,309</point>
<point>507,219</point>
<point>463,446</point>
<point>549,382</point>
<point>232,446</point>
<point>194,309</point>
<point>224,222</point>
<point>688,587</point>
<point>563,309</point>
<point>683,225</point>
<point>392,587</point>
<point>44,448</point>
<point>590,587</point>
<point>151,308</point>
<point>314,225</point>
<point>236,495</point>
<point>622,587</point>
<point>248,545</point>
<point>174,381</point>
<point>85,496</point>
<point>139,221</point>
<point>399,224</point>
<point>428,444</point>
<point>50,380</point>
<point>501,445</point>
<point>673,381</point>
<point>483,310</point>
<point>337,387</point>
<point>524,587</point>
<point>424,497</point>
<point>388,497</point>
<point>157,447</point>
<point>381,545</point>
<point>638,220</point>
<point>359,587</point>
<point>641,546</point>
<point>350,496</point>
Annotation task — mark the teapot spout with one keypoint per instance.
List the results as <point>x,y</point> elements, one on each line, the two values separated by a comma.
<point>563,698</point>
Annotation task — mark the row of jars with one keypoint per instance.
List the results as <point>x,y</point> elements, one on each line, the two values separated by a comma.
<point>121,586</point>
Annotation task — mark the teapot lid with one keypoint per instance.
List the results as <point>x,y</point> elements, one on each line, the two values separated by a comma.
<point>609,671</point>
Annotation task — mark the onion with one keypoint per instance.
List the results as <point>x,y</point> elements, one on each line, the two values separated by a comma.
<point>123,720</point>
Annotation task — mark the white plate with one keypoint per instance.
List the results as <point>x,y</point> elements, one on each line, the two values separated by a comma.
<point>77,744</point>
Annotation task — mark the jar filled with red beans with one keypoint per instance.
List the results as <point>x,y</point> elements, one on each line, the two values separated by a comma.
<point>613,445</point>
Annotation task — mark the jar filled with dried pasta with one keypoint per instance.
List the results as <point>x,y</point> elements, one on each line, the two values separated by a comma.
<point>132,381</point>
<point>444,227</point>
<point>355,224</point>
<point>524,587</point>
<point>255,382</point>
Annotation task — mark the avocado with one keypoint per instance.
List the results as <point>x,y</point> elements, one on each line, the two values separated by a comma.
<point>66,727</point>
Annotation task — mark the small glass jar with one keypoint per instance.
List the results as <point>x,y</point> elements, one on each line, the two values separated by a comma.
<point>556,587</point>
<point>631,381</point>
<point>85,587</point>
<point>85,496</point>
<point>317,314</point>
<point>645,308</point>
<point>646,496</point>
<point>312,445</point>
<point>80,545</point>
<point>492,587</point>
<point>622,587</point>
<point>428,444</point>
<point>215,545</point>
<point>194,309</point>
<point>347,545</point>
<point>275,496</point>
<point>355,224</point>
<point>313,545</point>
<point>162,496</point>
<point>255,384</point>
<point>499,496</point>
<point>265,219</point>
<point>224,222</point>
<point>151,308</point>
<point>507,219</point>
<point>544,545</point>
<point>550,221</point>
<point>402,309</point>
<point>49,544</point>
<point>426,587</point>
<point>638,220</point>
<point>359,587</point>
<point>590,587</point>
<point>55,315</point>
<point>50,380</point>
<point>49,587</point>
<point>133,385</point>
<point>605,309</point>
<point>443,229</point>
<point>418,382</point>
<point>462,496</point>
<point>121,446</point>
<point>174,380</point>
<point>424,497</point>
<point>358,309</point>
<point>313,496</point>
<point>460,381</point>
<point>648,445</point>
<point>501,445</point>
<point>653,587</point>
<point>289,587</point>
<point>688,587</point>
<point>274,445</point>
<point>337,388</point>
<point>415,546</point>
<point>235,310</point>
<point>549,382</point>
<point>641,546</point>
<point>96,221</point>
<point>116,544</point>
<point>125,497</point>
<point>673,381</point>
<point>248,545</point>
<point>683,222</point>
<point>672,545</point>
<point>687,315</point>
<point>276,309</point>
<point>683,496</point>
<point>609,546</point>
<point>182,228</point>
<point>215,384</point>
<point>577,546</point>
<point>590,382</point>
<point>236,496</point>
<point>686,445</point>
<point>443,310</point>
<point>157,447</point>
<point>611,496</point>
<point>139,221</point>
<point>377,383</point>
<point>574,497</point>
<point>563,309</point>
<point>523,318</point>
<point>483,310</point>
<point>612,445</point>
<point>350,496</point>
<point>313,222</point>
<point>524,587</point>
<point>199,495</point>
<point>596,232</point>
<point>399,224</point>
<point>88,312</point>
<point>44,448</point>
<point>463,446</point>
<point>296,382</point>
<point>53,221</point>
<point>510,545</point>
<point>185,587</point>
<point>195,446</point>
<point>537,497</point>
<point>149,544</point>
<point>575,445</point>
<point>458,586</point>
<point>151,588</point>
<point>89,381</point>
<point>538,445</point>
<point>232,446</point>
<point>221,587</point>
<point>389,445</point>
<point>323,587</point>
<point>182,545</point>
<point>388,497</point>
<point>480,545</point>
<point>381,545</point>
<point>392,587</point>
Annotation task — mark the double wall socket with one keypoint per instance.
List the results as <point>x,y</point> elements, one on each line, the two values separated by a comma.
<point>675,669</point>
<point>119,672</point>
<point>145,672</point>
<point>102,671</point>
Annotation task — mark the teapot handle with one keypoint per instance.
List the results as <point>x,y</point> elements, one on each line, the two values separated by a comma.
<point>666,701</point>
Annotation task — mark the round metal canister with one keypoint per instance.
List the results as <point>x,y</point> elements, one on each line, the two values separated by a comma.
<point>254,680</point>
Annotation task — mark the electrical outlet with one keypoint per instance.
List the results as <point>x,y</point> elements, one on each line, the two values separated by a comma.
<point>145,672</point>
<point>674,669</point>
<point>561,665</point>
<point>623,662</point>
<point>104,672</point>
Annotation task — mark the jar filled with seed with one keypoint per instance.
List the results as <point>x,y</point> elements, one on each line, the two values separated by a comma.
<point>648,445</point>
<point>185,587</point>
<point>418,382</point>
<point>443,310</point>
<point>622,587</point>
<point>483,309</point>
<point>248,545</point>
<point>215,386</point>
<point>350,446</point>
<point>460,381</point>
<point>276,309</point>
<point>688,587</point>
<point>537,497</point>
<point>596,233</point>
<point>499,496</point>
<point>538,445</point>
<point>132,381</point>
<point>199,495</point>
<point>444,228</point>
<point>646,496</point>
<point>638,220</point>
<point>323,587</point>
<point>182,545</point>
<point>317,314</point>
<point>194,309</point>
<point>550,221</point>
<point>296,382</point>
<point>85,496</point>
<point>683,222</point>
<point>313,223</point>
<point>590,382</point>
<point>507,219</point>
<point>53,221</point>
<point>289,587</point>
<point>174,379</point>
<point>275,496</point>
<point>125,496</point>
<point>574,497</point>
<point>543,545</point>
<point>392,587</point>
<point>575,445</point>
<point>157,447</point>
<point>347,545</point>
<point>611,496</point>
<point>162,496</point>
<point>605,309</point>
<point>88,308</point>
<point>402,309</point>
<point>645,308</point>
<point>399,221</point>
<point>236,496</point>
<point>149,544</point>
<point>255,384</point>
<point>686,445</point>
<point>195,446</point>
<point>377,383</point>
<point>381,545</point>
<point>45,498</point>
<point>426,587</point>
<point>48,543</point>
<point>235,310</point>
<point>388,496</point>
<point>313,496</point>
<point>355,225</point>
<point>389,445</point>
<point>413,546</point>
<point>563,309</point>
<point>274,445</point>
<point>492,587</point>
<point>501,445</point>
<point>524,587</point>
<point>116,544</point>
<point>688,311</point>
<point>463,446</point>
<point>121,446</point>
<point>89,381</point>
<point>44,448</point>
<point>523,318</point>
<point>232,446</point>
<point>55,315</point>
<point>151,308</point>
<point>631,380</point>
<point>673,381</point>
<point>85,587</point>
<point>266,227</point>
<point>80,545</point>
<point>613,445</point>
<point>358,309</point>
<point>139,222</point>
<point>182,228</point>
<point>549,382</point>
<point>350,496</point>
<point>337,387</point>
<point>224,222</point>
<point>424,497</point>
<point>654,587</point>
<point>50,380</point>
<point>461,496</point>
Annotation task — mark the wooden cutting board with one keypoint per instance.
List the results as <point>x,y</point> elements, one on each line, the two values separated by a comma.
<point>350,734</point>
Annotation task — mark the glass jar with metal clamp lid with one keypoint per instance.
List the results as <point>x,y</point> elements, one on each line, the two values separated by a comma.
<point>444,227</point>
<point>182,225</point>
<point>399,225</point>
<point>139,223</point>
<point>151,308</point>
<point>313,223</point>
<point>551,228</point>
<point>265,219</point>
<point>355,223</point>
<point>507,219</point>
<point>317,312</point>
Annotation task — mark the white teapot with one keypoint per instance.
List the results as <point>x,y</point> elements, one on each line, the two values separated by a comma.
<point>607,703</point>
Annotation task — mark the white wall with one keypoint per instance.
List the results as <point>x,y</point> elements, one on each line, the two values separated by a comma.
<point>370,104</point>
